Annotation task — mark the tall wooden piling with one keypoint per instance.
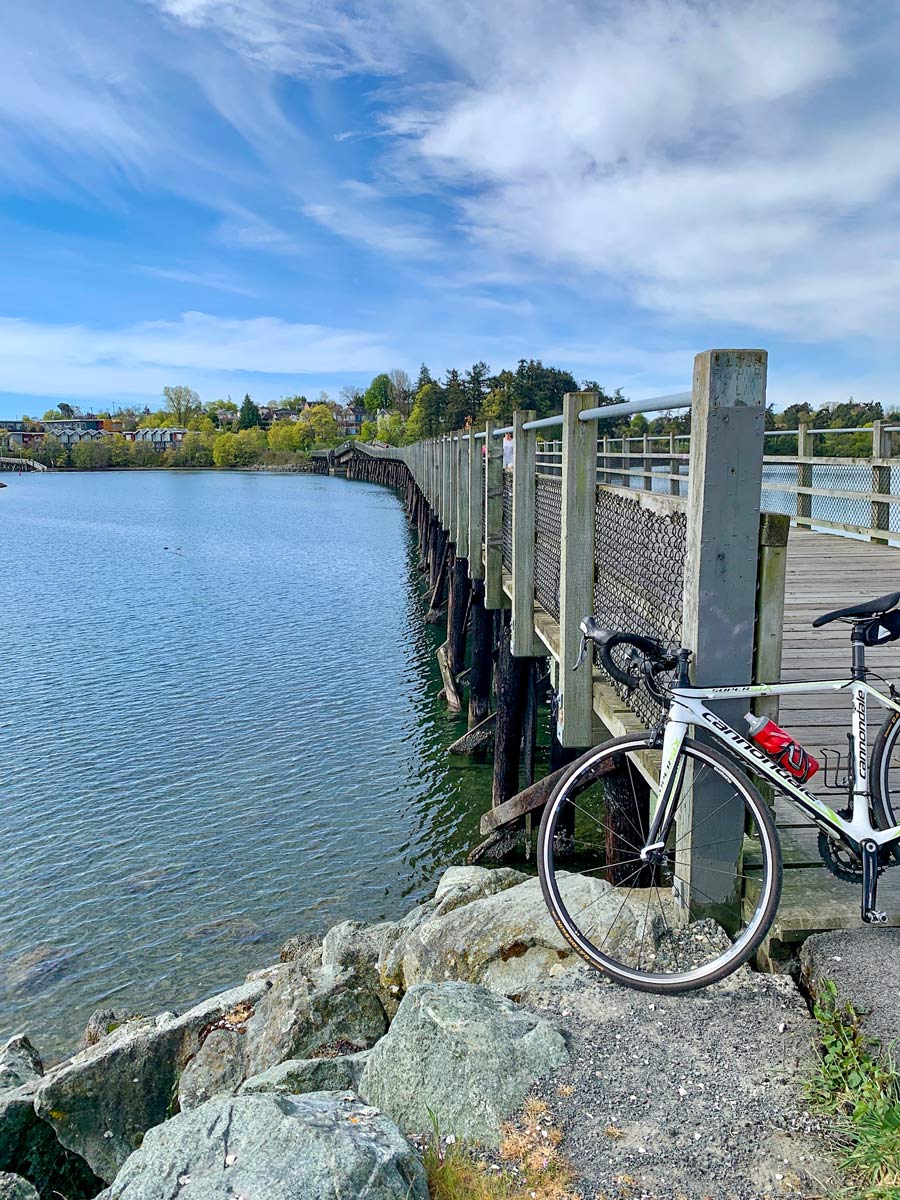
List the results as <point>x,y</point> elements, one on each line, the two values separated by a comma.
<point>510,693</point>
<point>481,659</point>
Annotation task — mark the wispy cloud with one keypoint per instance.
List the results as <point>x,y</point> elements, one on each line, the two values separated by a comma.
<point>77,360</point>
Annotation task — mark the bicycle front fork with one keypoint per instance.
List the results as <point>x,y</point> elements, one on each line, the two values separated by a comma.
<point>870,914</point>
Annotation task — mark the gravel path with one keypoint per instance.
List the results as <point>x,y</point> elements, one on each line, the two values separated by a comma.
<point>695,1097</point>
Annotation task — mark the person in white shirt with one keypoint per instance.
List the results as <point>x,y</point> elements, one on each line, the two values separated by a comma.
<point>508,450</point>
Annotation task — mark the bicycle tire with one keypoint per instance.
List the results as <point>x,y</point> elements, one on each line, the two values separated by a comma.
<point>883,816</point>
<point>770,893</point>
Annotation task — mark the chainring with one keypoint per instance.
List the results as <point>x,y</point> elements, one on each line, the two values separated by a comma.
<point>845,863</point>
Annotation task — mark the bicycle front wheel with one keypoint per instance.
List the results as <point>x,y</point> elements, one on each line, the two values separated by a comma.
<point>705,903</point>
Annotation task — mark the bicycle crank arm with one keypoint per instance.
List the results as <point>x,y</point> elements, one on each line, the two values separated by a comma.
<point>870,914</point>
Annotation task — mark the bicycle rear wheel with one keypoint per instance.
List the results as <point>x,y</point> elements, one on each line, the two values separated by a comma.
<point>621,914</point>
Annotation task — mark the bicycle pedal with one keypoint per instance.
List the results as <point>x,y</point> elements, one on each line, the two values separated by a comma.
<point>875,916</point>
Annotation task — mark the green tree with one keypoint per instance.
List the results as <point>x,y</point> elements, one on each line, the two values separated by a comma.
<point>67,411</point>
<point>426,417</point>
<point>53,414</point>
<point>378,394</point>
<point>91,456</point>
<point>182,403</point>
<point>249,414</point>
<point>325,429</point>
<point>249,445</point>
<point>391,429</point>
<point>368,431</point>
<point>224,450</point>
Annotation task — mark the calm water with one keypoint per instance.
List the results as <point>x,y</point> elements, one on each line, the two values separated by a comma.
<point>219,727</point>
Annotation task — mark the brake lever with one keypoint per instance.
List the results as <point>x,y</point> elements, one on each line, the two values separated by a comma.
<point>582,653</point>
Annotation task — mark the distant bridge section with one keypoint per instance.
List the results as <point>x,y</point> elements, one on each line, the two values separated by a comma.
<point>20,464</point>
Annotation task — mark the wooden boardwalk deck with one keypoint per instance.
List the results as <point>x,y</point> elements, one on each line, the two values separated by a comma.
<point>825,572</point>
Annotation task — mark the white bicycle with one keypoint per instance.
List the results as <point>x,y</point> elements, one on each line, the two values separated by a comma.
<point>682,846</point>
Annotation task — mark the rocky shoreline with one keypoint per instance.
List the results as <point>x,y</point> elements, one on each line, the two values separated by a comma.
<point>315,1076</point>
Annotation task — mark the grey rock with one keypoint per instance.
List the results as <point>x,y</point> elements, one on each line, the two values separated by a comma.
<point>462,885</point>
<point>19,1062</point>
<point>864,964</point>
<point>274,1147</point>
<point>463,1054</point>
<point>30,1147</point>
<point>298,1075</point>
<point>301,1016</point>
<point>102,1101</point>
<point>14,1187</point>
<point>305,948</point>
<point>508,942</point>
<point>217,1067</point>
<point>355,949</point>
<point>101,1022</point>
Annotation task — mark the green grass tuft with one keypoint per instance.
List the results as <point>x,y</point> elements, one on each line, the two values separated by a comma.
<point>857,1085</point>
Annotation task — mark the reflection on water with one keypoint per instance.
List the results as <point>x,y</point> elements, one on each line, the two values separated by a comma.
<point>220,727</point>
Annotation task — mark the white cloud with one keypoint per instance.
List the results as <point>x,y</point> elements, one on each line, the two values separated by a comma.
<point>77,360</point>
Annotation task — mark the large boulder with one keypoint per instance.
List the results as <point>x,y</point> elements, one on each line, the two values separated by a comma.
<point>298,1075</point>
<point>29,1147</point>
<point>217,1067</point>
<point>102,1101</point>
<point>274,1147</point>
<point>14,1187</point>
<point>301,1016</point>
<point>864,965</point>
<point>462,1054</point>
<point>19,1062</point>
<point>508,942</point>
<point>458,886</point>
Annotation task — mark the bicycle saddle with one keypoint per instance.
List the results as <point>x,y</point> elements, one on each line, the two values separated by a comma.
<point>874,608</point>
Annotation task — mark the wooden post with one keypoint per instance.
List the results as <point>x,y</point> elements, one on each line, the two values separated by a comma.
<point>772,571</point>
<point>476,509</point>
<point>482,646</point>
<point>576,568</point>
<point>804,473</point>
<point>462,499</point>
<point>881,481</point>
<point>453,498</point>
<point>510,691</point>
<point>727,423</point>
<point>447,484</point>
<point>494,595</point>
<point>457,611</point>
<point>525,447</point>
<point>648,464</point>
<point>674,469</point>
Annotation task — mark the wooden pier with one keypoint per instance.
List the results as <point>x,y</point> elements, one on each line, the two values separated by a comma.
<point>672,542</point>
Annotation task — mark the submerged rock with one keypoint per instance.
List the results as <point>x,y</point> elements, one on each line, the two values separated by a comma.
<point>241,930</point>
<point>103,1101</point>
<point>19,1062</point>
<point>29,971</point>
<point>462,1056</point>
<point>315,1147</point>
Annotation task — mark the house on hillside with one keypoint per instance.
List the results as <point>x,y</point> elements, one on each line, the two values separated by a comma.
<point>160,439</point>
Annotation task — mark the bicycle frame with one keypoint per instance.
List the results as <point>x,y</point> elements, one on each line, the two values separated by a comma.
<point>688,710</point>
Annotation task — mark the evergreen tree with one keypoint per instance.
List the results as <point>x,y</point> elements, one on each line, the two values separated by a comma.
<point>249,414</point>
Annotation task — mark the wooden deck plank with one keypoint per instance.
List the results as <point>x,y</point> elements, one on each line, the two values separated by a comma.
<point>825,572</point>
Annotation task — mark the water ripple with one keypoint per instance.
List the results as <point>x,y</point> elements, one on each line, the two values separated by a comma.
<point>241,735</point>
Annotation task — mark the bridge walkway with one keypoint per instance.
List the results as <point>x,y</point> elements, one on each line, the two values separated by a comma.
<point>826,572</point>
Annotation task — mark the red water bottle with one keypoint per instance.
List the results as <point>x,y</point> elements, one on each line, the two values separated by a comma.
<point>781,746</point>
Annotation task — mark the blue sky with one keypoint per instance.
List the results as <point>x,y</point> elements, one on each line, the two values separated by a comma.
<point>282,196</point>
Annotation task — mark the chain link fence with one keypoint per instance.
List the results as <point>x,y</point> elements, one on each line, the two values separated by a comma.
<point>547,536</point>
<point>639,552</point>
<point>507,521</point>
